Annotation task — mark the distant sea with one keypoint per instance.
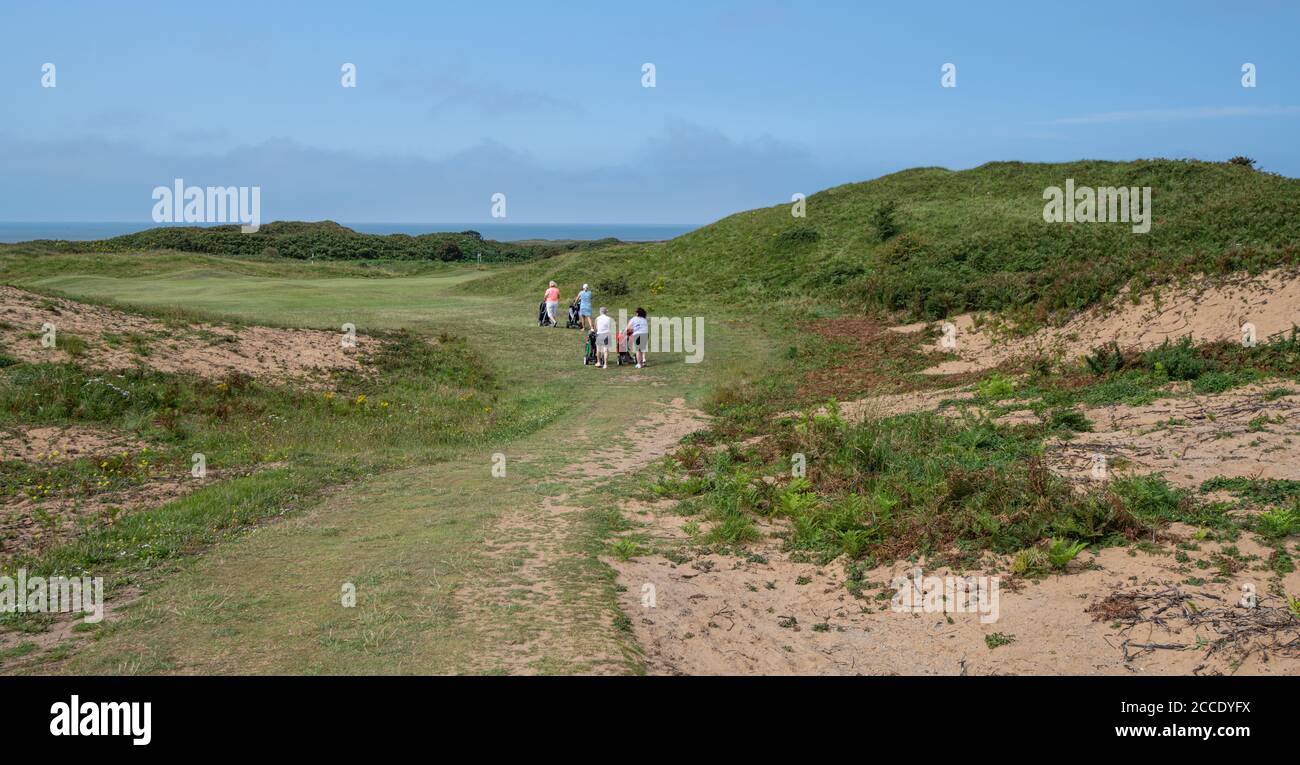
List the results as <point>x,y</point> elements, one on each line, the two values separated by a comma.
<point>502,232</point>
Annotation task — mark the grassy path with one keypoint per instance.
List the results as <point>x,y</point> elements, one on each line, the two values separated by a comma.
<point>454,570</point>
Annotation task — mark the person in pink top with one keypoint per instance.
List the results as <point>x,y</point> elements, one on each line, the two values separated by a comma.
<point>552,299</point>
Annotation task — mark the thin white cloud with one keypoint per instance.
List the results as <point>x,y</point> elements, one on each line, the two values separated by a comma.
<point>1175,115</point>
<point>456,89</point>
<point>492,100</point>
<point>201,135</point>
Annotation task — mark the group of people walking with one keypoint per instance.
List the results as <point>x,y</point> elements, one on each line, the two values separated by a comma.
<point>636,332</point>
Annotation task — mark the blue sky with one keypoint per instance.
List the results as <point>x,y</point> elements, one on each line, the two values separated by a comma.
<point>543,101</point>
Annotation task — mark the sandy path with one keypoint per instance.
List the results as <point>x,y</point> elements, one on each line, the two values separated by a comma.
<point>537,607</point>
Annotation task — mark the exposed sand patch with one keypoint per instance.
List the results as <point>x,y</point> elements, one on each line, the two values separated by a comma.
<point>872,357</point>
<point>1191,439</point>
<point>1206,311</point>
<point>62,631</point>
<point>31,521</point>
<point>1188,438</point>
<point>768,614</point>
<point>724,615</point>
<point>893,404</point>
<point>61,443</point>
<point>28,525</point>
<point>949,402</point>
<point>118,340</point>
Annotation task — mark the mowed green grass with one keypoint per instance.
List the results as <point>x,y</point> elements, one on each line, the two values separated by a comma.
<point>407,533</point>
<point>428,302</point>
<point>527,359</point>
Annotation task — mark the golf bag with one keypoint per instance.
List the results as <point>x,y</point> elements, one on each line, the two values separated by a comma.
<point>625,349</point>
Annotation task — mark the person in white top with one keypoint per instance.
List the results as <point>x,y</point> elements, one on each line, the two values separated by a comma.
<point>638,329</point>
<point>604,327</point>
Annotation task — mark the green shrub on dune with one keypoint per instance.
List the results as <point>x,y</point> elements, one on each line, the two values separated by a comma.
<point>325,240</point>
<point>930,242</point>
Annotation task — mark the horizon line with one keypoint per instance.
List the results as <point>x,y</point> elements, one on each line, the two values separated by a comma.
<point>155,224</point>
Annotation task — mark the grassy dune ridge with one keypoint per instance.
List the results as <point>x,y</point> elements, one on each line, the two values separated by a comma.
<point>324,240</point>
<point>956,490</point>
<point>968,240</point>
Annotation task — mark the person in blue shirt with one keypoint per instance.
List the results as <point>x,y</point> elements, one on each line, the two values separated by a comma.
<point>584,308</point>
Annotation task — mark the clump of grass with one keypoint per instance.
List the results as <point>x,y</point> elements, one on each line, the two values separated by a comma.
<point>613,286</point>
<point>1069,419</point>
<point>797,236</point>
<point>924,484</point>
<point>1262,491</point>
<point>1211,368</point>
<point>73,345</point>
<point>1273,394</point>
<point>996,386</point>
<point>1105,359</point>
<point>1061,551</point>
<point>5,359</point>
<point>1179,361</point>
<point>884,220</point>
<point>855,542</point>
<point>796,499</point>
<point>680,488</point>
<point>17,651</point>
<point>998,639</point>
<point>732,530</point>
<point>625,549</point>
<point>1219,382</point>
<point>1030,562</point>
<point>1277,523</point>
